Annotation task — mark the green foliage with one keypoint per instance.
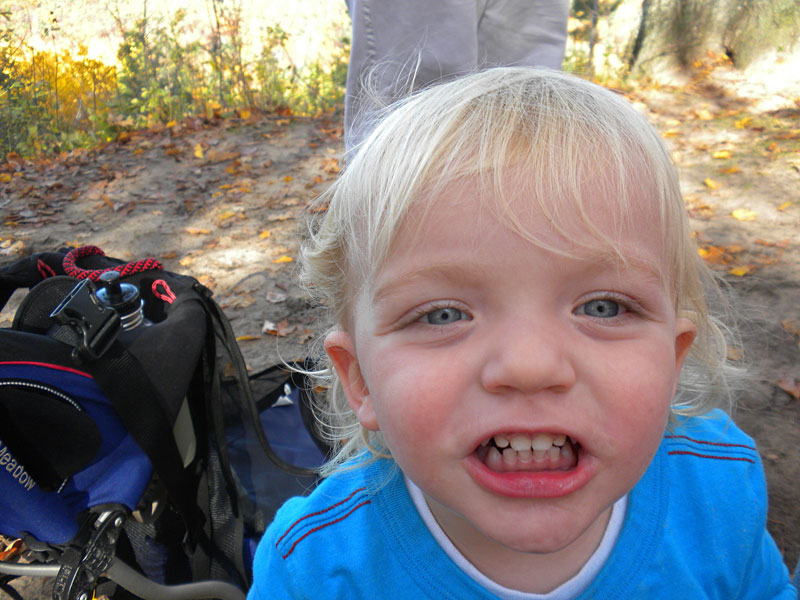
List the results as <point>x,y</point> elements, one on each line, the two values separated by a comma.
<point>50,102</point>
<point>165,71</point>
<point>158,75</point>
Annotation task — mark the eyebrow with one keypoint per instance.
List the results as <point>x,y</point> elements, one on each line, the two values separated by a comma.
<point>649,271</point>
<point>449,271</point>
<point>610,258</point>
<point>458,272</point>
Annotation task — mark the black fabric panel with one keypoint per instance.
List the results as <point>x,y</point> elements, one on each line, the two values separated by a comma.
<point>50,437</point>
<point>33,314</point>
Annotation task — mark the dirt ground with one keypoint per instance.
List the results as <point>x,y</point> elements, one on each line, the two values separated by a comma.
<point>222,199</point>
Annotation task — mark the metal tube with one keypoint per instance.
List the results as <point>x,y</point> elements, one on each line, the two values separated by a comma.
<point>25,570</point>
<point>139,585</point>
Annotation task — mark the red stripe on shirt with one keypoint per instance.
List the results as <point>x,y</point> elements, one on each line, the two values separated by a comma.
<point>324,525</point>
<point>319,512</point>
<point>683,437</point>
<point>711,456</point>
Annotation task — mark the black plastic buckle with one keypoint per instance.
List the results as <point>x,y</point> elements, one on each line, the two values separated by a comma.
<point>84,563</point>
<point>95,324</point>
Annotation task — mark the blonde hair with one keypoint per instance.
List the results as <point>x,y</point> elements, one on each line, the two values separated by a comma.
<point>557,130</point>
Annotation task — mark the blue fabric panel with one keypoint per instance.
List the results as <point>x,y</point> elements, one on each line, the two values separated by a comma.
<point>119,473</point>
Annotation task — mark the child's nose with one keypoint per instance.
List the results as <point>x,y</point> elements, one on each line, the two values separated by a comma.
<point>527,358</point>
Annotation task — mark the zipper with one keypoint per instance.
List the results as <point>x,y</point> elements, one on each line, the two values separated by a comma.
<point>43,388</point>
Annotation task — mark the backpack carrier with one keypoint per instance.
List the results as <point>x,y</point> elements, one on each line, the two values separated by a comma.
<point>132,448</point>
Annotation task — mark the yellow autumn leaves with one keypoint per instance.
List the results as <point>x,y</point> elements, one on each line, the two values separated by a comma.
<point>744,214</point>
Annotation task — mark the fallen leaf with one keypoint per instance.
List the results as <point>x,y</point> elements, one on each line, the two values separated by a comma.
<point>197,231</point>
<point>779,244</point>
<point>330,165</point>
<point>741,270</point>
<point>742,123</point>
<point>671,133</point>
<point>11,550</point>
<point>5,177</point>
<point>744,214</point>
<point>704,114</point>
<point>785,205</point>
<point>714,255</point>
<point>198,151</point>
<point>247,338</point>
<point>730,170</point>
<point>721,154</point>
<point>288,178</point>
<point>281,329</point>
<point>791,386</point>
<point>711,184</point>
<point>217,157</point>
<point>244,114</point>
<point>315,181</point>
<point>171,124</point>
<point>264,234</point>
<point>283,259</point>
<point>697,208</point>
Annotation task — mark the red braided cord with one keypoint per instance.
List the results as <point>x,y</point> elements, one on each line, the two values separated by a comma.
<point>165,293</point>
<point>44,269</point>
<point>72,269</point>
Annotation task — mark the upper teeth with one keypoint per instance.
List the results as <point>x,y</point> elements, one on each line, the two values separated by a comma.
<point>522,442</point>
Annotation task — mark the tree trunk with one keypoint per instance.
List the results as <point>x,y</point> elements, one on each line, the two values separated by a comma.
<point>654,36</point>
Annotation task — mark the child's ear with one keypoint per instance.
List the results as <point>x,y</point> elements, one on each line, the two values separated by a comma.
<point>342,352</point>
<point>685,332</point>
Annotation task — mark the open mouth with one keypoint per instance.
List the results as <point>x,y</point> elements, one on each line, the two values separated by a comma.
<point>529,452</point>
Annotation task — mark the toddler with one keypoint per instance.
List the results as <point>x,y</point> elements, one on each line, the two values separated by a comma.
<point>525,376</point>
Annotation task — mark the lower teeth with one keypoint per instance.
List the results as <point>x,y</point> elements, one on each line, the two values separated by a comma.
<point>555,458</point>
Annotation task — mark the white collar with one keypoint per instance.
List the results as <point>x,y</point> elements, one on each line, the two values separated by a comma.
<point>568,590</point>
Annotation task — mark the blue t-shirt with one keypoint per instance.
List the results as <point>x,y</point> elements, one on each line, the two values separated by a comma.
<point>695,528</point>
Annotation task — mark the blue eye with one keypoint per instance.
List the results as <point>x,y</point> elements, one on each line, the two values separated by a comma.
<point>444,316</point>
<point>602,309</point>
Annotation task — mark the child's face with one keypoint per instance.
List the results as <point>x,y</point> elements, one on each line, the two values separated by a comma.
<point>469,334</point>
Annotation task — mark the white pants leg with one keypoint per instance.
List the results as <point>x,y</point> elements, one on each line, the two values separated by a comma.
<point>400,45</point>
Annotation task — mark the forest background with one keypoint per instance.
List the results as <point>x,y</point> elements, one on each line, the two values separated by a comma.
<point>198,131</point>
<point>75,74</point>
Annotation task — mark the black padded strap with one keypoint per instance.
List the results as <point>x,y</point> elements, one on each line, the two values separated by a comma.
<point>143,412</point>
